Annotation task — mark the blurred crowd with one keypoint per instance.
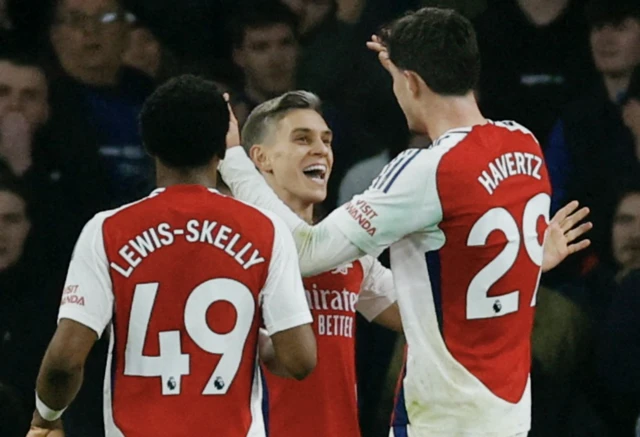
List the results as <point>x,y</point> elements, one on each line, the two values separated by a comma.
<point>74,74</point>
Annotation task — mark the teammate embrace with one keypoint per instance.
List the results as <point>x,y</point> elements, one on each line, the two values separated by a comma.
<point>467,222</point>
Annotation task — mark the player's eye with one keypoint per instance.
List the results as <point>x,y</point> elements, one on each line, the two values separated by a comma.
<point>302,140</point>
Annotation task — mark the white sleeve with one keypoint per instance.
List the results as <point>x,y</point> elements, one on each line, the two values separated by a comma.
<point>87,297</point>
<point>320,248</point>
<point>377,292</point>
<point>283,299</point>
<point>394,206</point>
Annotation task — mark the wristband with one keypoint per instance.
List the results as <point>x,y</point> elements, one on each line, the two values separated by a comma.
<point>47,413</point>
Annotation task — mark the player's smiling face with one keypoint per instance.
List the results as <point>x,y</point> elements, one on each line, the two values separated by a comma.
<point>299,160</point>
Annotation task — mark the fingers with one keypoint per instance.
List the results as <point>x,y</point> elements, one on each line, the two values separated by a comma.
<point>574,218</point>
<point>232,116</point>
<point>565,211</point>
<point>376,44</point>
<point>577,247</point>
<point>35,431</point>
<point>376,47</point>
<point>580,230</point>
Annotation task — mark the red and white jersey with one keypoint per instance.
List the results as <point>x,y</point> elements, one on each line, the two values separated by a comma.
<point>184,279</point>
<point>465,220</point>
<point>325,403</point>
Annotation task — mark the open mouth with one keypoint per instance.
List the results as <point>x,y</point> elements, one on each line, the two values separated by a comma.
<point>316,172</point>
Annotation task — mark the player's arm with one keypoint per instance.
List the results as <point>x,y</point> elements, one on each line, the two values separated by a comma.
<point>290,350</point>
<point>390,318</point>
<point>279,363</point>
<point>393,207</point>
<point>377,298</point>
<point>85,310</point>
<point>60,376</point>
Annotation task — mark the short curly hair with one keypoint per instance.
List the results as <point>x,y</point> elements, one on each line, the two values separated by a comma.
<point>184,122</point>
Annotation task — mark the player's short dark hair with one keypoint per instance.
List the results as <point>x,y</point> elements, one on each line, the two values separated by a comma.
<point>184,122</point>
<point>265,116</point>
<point>439,45</point>
<point>258,14</point>
<point>602,12</point>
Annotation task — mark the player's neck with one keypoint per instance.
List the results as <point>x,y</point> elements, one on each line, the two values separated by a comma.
<point>304,210</point>
<point>616,85</point>
<point>451,113</point>
<point>166,177</point>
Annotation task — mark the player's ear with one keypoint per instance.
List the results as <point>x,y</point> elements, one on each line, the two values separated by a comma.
<point>260,157</point>
<point>412,82</point>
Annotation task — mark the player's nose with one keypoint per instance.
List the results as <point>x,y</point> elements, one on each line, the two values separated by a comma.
<point>320,148</point>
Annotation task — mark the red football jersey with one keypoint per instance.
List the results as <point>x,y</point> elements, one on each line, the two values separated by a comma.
<point>325,403</point>
<point>184,278</point>
<point>466,221</point>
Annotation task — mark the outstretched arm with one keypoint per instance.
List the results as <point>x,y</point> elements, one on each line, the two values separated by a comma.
<point>366,225</point>
<point>320,248</point>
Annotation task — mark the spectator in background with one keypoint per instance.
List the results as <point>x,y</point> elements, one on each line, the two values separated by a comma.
<point>102,98</point>
<point>535,59</point>
<point>590,149</point>
<point>24,109</point>
<point>30,290</point>
<point>266,49</point>
<point>618,340</point>
<point>89,38</point>
<point>60,177</point>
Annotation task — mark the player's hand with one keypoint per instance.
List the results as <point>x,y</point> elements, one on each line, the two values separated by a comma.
<point>233,134</point>
<point>377,46</point>
<point>562,232</point>
<point>43,428</point>
<point>34,431</point>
